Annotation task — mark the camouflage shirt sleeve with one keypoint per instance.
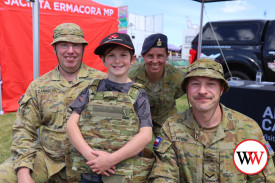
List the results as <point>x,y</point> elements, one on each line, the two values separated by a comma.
<point>268,174</point>
<point>25,131</point>
<point>165,169</point>
<point>247,128</point>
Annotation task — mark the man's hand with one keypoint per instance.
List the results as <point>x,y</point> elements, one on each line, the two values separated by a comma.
<point>24,176</point>
<point>102,164</point>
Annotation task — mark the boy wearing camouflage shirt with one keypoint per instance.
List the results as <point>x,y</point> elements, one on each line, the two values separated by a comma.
<point>111,123</point>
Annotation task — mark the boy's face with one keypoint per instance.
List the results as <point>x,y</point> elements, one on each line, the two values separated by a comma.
<point>118,62</point>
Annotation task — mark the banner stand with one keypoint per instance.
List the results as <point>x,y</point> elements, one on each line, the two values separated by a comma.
<point>1,108</point>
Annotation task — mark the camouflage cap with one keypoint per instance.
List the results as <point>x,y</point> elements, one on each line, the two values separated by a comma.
<point>205,67</point>
<point>68,32</point>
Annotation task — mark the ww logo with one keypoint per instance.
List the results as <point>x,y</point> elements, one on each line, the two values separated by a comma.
<point>250,157</point>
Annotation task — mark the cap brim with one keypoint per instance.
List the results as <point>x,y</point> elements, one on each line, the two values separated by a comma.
<point>101,48</point>
<point>210,73</point>
<point>70,39</point>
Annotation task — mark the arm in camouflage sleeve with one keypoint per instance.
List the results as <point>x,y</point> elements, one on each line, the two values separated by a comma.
<point>165,169</point>
<point>25,131</point>
<point>268,174</point>
<point>249,129</point>
<point>269,171</point>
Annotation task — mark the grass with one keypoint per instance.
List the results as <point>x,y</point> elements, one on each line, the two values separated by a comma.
<point>6,122</point>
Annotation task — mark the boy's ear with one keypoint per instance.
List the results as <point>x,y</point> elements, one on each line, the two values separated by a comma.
<point>102,59</point>
<point>133,59</point>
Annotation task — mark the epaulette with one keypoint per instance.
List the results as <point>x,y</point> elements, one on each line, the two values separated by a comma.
<point>94,85</point>
<point>134,91</point>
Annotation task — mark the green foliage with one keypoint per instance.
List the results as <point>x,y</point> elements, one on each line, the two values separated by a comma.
<point>182,104</point>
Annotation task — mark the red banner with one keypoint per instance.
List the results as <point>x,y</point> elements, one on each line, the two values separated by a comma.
<point>16,55</point>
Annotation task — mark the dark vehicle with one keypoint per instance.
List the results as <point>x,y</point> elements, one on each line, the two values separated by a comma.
<point>246,45</point>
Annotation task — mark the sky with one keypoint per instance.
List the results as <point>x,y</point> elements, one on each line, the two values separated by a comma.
<point>175,12</point>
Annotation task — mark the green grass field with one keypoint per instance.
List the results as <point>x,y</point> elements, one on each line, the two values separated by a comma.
<point>6,122</point>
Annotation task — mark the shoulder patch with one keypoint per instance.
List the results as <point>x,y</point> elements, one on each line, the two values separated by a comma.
<point>157,142</point>
<point>269,148</point>
<point>137,85</point>
<point>134,91</point>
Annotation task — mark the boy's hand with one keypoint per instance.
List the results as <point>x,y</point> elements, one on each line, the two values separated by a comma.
<point>102,164</point>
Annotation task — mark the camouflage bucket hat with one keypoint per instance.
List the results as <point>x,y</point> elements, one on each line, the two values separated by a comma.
<point>205,67</point>
<point>68,32</point>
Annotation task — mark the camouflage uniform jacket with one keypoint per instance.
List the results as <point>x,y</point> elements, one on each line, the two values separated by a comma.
<point>163,94</point>
<point>180,155</point>
<point>45,105</point>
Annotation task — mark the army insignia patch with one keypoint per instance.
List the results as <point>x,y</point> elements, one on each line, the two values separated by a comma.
<point>157,141</point>
<point>159,43</point>
<point>269,148</point>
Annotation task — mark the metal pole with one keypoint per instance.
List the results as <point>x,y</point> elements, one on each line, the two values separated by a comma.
<point>200,33</point>
<point>1,108</point>
<point>36,46</point>
<point>36,43</point>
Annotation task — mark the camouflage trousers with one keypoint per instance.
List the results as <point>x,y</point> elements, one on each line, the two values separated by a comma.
<point>40,172</point>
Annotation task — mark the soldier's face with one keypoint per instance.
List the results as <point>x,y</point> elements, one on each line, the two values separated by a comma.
<point>204,93</point>
<point>155,60</point>
<point>69,55</point>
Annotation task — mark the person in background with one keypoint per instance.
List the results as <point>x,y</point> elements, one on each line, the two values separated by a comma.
<point>111,122</point>
<point>197,145</point>
<point>45,106</point>
<point>161,80</point>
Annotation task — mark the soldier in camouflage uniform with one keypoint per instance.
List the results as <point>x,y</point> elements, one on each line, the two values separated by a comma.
<point>197,145</point>
<point>161,80</point>
<point>45,106</point>
<point>111,118</point>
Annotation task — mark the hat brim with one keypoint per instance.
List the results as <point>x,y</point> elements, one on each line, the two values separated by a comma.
<point>70,39</point>
<point>210,74</point>
<point>101,48</point>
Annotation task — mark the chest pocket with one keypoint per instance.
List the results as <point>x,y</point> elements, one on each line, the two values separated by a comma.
<point>108,106</point>
<point>228,171</point>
